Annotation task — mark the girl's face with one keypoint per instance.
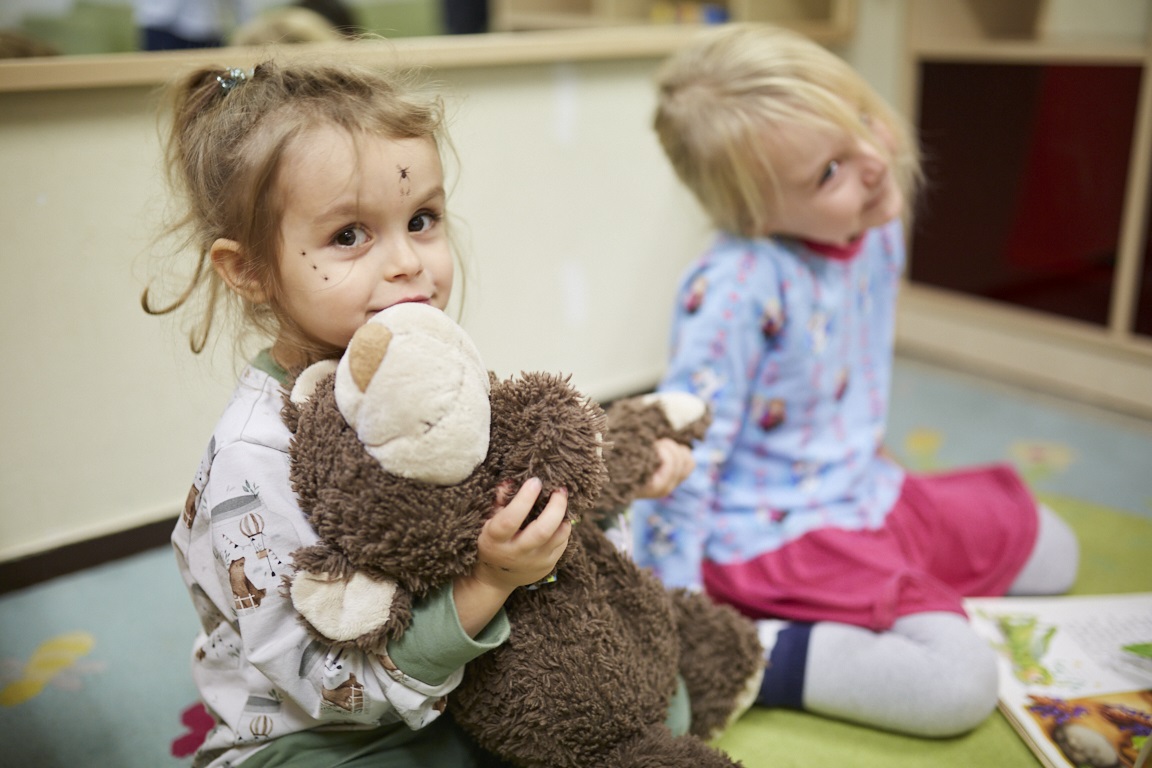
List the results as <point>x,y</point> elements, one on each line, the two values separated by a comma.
<point>833,185</point>
<point>361,230</point>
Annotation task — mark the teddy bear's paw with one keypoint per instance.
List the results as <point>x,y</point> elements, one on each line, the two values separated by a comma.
<point>683,410</point>
<point>343,609</point>
<point>744,701</point>
<point>721,660</point>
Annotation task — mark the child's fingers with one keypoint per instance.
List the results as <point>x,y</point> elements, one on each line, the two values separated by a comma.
<point>551,528</point>
<point>555,522</point>
<point>684,462</point>
<point>506,522</point>
<point>676,463</point>
<point>668,462</point>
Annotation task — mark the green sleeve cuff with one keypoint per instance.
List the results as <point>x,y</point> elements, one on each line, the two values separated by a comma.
<point>679,718</point>
<point>435,644</point>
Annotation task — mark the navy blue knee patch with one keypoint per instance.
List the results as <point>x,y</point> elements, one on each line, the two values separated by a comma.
<point>783,684</point>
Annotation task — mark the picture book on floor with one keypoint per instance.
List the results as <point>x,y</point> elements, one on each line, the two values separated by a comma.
<point>1075,675</point>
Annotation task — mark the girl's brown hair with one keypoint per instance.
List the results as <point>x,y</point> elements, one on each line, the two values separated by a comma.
<point>227,133</point>
<point>720,98</point>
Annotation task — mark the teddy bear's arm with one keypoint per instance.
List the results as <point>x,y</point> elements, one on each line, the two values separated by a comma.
<point>634,426</point>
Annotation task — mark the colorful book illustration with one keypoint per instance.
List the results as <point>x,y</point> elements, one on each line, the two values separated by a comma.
<point>1075,675</point>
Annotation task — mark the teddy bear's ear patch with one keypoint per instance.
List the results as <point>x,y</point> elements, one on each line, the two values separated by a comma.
<point>309,378</point>
<point>365,351</point>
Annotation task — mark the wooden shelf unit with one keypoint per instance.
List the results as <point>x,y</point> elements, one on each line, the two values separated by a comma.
<point>1107,360</point>
<point>827,21</point>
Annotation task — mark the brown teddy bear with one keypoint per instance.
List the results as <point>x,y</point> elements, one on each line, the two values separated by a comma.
<point>398,457</point>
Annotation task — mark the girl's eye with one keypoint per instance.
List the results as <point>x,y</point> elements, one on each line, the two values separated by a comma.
<point>422,222</point>
<point>350,237</point>
<point>829,172</point>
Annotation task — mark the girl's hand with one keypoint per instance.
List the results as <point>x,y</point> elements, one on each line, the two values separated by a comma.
<point>510,557</point>
<point>676,463</point>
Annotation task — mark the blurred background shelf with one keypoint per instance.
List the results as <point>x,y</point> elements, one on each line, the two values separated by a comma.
<point>827,21</point>
<point>1031,255</point>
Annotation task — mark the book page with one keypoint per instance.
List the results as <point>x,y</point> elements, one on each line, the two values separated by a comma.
<point>1075,674</point>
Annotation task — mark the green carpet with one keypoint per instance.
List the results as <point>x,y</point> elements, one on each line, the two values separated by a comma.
<point>1115,557</point>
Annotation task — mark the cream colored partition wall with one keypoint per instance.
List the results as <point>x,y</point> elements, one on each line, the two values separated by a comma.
<point>101,405</point>
<point>574,229</point>
<point>574,226</point>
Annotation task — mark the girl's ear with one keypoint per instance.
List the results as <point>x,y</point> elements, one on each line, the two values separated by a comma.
<point>230,263</point>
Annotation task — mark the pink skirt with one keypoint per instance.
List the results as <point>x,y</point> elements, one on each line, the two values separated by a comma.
<point>951,535</point>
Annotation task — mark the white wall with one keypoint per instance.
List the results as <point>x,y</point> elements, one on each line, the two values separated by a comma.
<point>578,229</point>
<point>575,230</point>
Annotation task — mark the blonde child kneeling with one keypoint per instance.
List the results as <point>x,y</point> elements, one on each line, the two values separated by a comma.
<point>854,568</point>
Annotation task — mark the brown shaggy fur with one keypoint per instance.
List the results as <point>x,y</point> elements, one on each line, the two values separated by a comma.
<point>586,677</point>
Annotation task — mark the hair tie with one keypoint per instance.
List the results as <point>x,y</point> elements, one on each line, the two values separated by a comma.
<point>230,79</point>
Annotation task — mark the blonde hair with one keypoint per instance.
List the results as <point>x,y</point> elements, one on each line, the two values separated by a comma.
<point>720,98</point>
<point>227,134</point>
